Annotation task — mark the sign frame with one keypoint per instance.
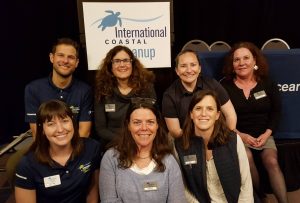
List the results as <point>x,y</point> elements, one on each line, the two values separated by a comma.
<point>153,50</point>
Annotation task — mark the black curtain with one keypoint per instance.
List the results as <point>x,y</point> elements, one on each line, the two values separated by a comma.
<point>29,28</point>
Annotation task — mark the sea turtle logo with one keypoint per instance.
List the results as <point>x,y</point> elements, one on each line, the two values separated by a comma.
<point>114,17</point>
<point>110,20</point>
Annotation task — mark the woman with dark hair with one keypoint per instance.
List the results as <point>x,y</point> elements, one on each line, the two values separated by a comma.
<point>256,100</point>
<point>139,166</point>
<point>212,158</point>
<point>59,166</point>
<point>120,77</point>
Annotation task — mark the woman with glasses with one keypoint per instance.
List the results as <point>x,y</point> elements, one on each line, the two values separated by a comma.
<point>139,166</point>
<point>121,77</point>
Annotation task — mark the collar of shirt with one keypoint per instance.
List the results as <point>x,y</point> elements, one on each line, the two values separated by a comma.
<point>199,86</point>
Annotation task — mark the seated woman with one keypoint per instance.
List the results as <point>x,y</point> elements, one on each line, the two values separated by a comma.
<point>121,77</point>
<point>177,97</point>
<point>139,167</point>
<point>213,159</point>
<point>59,166</point>
<point>257,102</point>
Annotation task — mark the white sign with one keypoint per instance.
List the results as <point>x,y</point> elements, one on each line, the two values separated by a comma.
<point>144,27</point>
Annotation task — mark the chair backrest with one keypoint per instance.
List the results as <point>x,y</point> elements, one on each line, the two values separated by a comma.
<point>196,45</point>
<point>220,46</point>
<point>275,43</point>
<point>16,141</point>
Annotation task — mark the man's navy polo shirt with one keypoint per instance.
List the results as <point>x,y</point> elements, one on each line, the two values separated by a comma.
<point>77,95</point>
<point>176,99</point>
<point>75,177</point>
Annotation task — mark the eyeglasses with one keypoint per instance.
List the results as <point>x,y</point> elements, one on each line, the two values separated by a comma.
<point>118,61</point>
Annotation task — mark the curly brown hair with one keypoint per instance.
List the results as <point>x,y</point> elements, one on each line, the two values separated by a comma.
<point>261,61</point>
<point>105,81</point>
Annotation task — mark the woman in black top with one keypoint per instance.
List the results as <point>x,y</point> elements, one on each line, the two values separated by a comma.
<point>120,79</point>
<point>256,100</point>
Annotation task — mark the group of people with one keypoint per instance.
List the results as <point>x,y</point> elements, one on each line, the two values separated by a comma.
<point>200,146</point>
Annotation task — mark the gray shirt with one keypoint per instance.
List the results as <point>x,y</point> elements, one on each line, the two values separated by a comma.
<point>124,185</point>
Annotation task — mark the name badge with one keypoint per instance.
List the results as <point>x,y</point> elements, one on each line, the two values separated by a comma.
<point>150,186</point>
<point>259,95</point>
<point>110,107</point>
<point>190,159</point>
<point>51,181</point>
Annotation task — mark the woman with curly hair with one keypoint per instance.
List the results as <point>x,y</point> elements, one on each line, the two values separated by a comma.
<point>256,99</point>
<point>120,79</point>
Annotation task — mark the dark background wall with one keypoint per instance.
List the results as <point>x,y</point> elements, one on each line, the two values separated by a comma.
<point>30,27</point>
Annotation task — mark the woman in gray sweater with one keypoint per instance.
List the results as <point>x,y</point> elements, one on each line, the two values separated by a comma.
<point>139,166</point>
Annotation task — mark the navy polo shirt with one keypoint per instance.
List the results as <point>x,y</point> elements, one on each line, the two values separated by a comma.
<point>77,95</point>
<point>67,184</point>
<point>176,99</point>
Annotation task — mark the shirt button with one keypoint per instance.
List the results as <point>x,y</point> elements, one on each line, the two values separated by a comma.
<point>67,171</point>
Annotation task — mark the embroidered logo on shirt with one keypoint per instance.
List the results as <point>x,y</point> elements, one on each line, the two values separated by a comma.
<point>85,167</point>
<point>75,109</point>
